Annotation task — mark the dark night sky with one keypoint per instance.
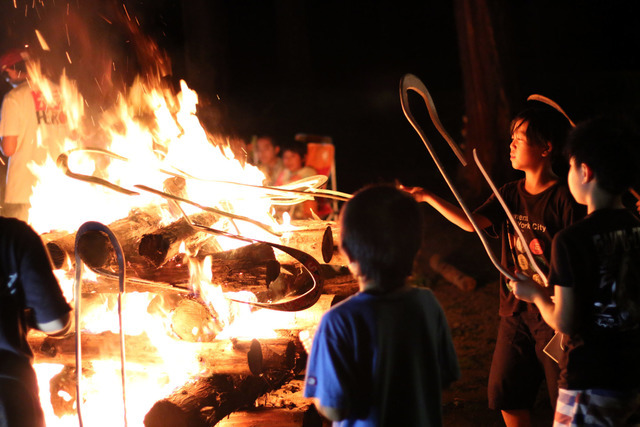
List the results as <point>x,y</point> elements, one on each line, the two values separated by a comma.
<point>333,67</point>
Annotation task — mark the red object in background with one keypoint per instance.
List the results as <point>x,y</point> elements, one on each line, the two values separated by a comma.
<point>12,57</point>
<point>321,157</point>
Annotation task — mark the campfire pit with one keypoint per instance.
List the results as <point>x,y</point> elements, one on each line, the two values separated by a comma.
<point>197,346</point>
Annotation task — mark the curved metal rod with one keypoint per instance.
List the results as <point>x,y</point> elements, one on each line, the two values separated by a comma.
<point>411,82</point>
<point>283,189</point>
<point>511,218</point>
<point>308,262</point>
<point>63,163</point>
<point>63,159</point>
<point>544,99</point>
<point>96,226</point>
<point>208,209</point>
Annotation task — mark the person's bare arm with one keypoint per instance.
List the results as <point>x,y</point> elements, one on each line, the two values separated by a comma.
<point>8,144</point>
<point>450,211</point>
<point>558,313</point>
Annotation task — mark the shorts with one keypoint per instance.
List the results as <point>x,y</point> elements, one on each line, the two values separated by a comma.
<point>597,407</point>
<point>519,363</point>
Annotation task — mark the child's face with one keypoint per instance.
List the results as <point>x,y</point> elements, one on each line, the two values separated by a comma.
<point>575,182</point>
<point>525,156</point>
<point>267,152</point>
<point>291,160</point>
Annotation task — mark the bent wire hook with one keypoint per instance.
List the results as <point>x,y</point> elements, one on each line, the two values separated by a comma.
<point>309,263</point>
<point>550,102</point>
<point>96,226</point>
<point>411,82</point>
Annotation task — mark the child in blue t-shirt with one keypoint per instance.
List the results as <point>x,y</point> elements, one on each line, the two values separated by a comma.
<point>383,356</point>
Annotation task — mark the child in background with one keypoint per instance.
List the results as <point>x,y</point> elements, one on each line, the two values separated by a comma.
<point>595,269</point>
<point>542,206</point>
<point>269,161</point>
<point>382,357</point>
<point>294,158</point>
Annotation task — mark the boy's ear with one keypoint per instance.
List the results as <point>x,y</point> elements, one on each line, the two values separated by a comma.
<point>547,150</point>
<point>587,173</point>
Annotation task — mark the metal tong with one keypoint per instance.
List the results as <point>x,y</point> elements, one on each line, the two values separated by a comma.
<point>411,82</point>
<point>550,102</point>
<point>96,226</point>
<point>309,263</point>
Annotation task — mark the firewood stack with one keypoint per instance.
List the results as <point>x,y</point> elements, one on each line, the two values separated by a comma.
<point>235,372</point>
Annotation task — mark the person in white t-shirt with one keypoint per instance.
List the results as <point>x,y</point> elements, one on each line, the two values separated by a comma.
<point>30,130</point>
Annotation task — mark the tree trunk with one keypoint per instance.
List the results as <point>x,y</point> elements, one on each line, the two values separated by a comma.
<point>486,77</point>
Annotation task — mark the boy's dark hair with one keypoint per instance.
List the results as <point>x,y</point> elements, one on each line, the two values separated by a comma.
<point>545,124</point>
<point>296,147</point>
<point>609,146</point>
<point>381,230</point>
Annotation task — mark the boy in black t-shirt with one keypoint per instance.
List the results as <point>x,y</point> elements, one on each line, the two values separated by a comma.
<point>595,269</point>
<point>541,205</point>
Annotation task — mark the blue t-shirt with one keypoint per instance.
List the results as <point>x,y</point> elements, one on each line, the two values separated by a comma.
<point>384,359</point>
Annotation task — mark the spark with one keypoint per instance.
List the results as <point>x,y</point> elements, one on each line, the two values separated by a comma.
<point>66,29</point>
<point>126,11</point>
<point>68,57</point>
<point>105,18</point>
<point>98,84</point>
<point>43,42</point>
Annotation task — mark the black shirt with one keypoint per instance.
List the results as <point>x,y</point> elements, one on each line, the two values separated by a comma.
<point>539,216</point>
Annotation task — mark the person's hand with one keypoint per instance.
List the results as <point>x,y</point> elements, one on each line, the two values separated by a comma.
<point>418,193</point>
<point>525,288</point>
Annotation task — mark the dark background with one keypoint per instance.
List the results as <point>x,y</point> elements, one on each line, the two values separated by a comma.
<point>333,67</point>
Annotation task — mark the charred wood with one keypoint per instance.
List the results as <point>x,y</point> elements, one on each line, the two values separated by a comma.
<point>96,250</point>
<point>161,245</point>
<point>207,401</point>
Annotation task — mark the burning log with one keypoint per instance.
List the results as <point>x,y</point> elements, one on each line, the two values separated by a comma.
<point>163,244</point>
<point>95,247</point>
<point>318,239</point>
<point>237,357</point>
<point>248,268</point>
<point>205,402</point>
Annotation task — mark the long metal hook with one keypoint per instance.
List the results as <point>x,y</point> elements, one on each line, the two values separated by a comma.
<point>411,82</point>
<point>96,226</point>
<point>511,218</point>
<point>309,263</point>
<point>552,103</point>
